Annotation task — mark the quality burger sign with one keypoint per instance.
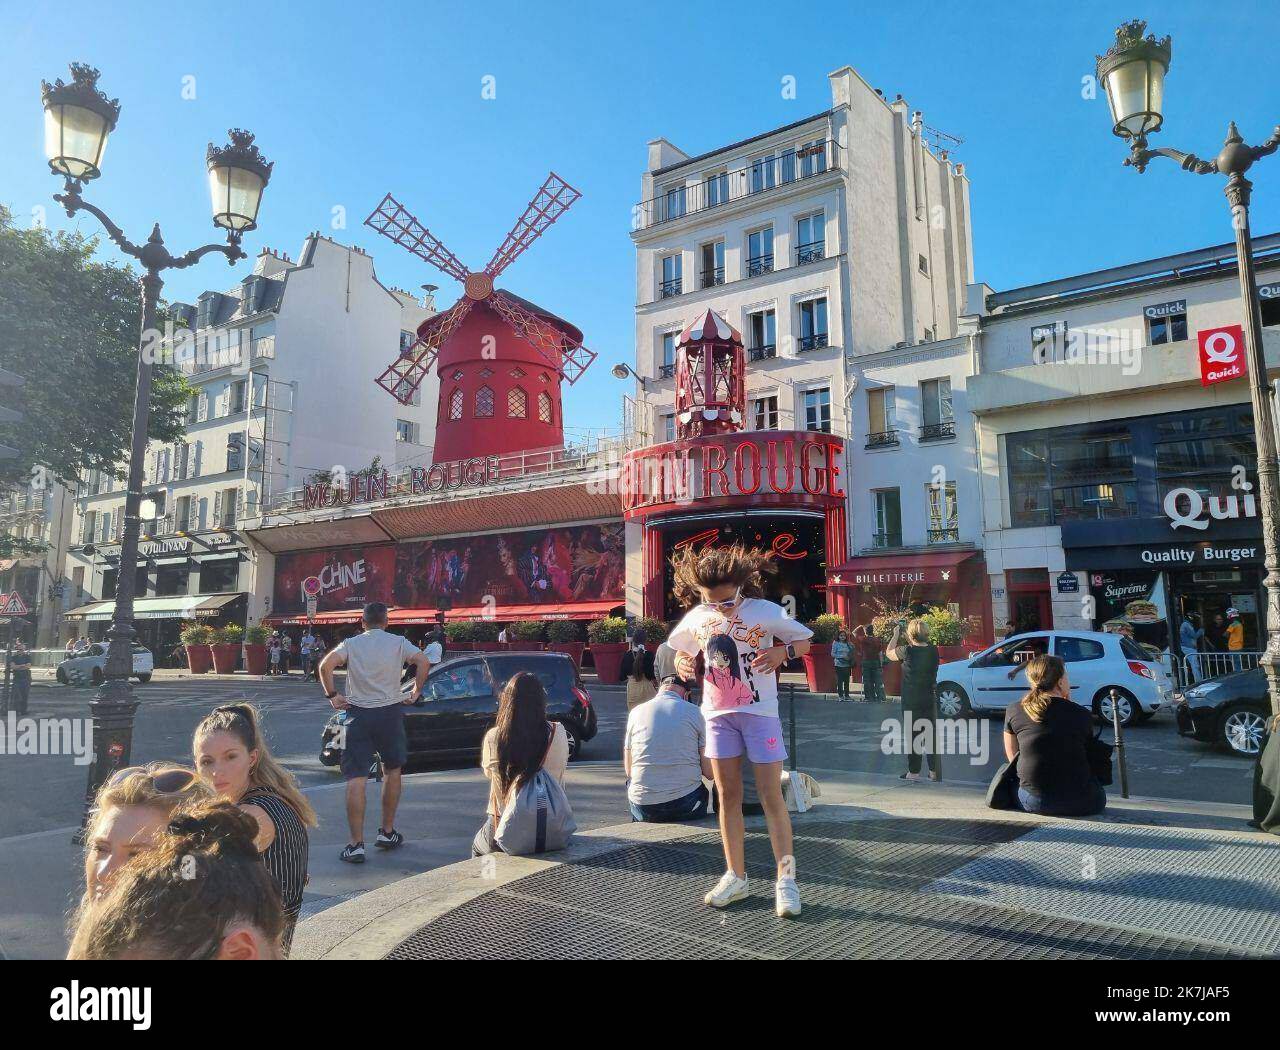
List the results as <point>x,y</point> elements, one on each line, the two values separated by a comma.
<point>1221,354</point>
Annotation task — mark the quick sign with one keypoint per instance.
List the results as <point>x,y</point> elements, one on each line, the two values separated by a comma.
<point>1185,508</point>
<point>1269,291</point>
<point>1221,354</point>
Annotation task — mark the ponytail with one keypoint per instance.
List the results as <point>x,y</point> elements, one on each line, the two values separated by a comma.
<point>1043,674</point>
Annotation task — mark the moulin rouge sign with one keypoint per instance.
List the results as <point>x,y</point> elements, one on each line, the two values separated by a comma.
<point>776,467</point>
<point>369,487</point>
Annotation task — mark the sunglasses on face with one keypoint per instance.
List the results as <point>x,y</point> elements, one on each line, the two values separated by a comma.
<point>727,604</point>
<point>165,782</point>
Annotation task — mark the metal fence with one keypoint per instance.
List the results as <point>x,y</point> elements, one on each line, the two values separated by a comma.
<point>1199,667</point>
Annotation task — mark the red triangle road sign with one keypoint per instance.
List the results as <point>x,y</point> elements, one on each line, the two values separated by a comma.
<point>13,605</point>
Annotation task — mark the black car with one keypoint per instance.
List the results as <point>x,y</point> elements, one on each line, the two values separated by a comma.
<point>460,704</point>
<point>1231,712</point>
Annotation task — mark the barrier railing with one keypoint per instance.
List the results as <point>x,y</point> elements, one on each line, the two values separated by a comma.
<point>1199,667</point>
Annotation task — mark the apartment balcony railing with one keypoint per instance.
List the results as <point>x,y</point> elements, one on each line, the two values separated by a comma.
<point>883,439</point>
<point>754,178</point>
<point>884,540</point>
<point>760,353</point>
<point>760,265</point>
<point>810,253</point>
<point>212,353</point>
<point>666,371</point>
<point>938,431</point>
<point>816,341</point>
<point>713,278</point>
<point>947,534</point>
<point>669,288</point>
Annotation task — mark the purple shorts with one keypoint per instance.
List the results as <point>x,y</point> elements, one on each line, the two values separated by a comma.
<point>759,735</point>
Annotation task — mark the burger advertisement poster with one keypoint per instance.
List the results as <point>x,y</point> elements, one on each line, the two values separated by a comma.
<point>1132,601</point>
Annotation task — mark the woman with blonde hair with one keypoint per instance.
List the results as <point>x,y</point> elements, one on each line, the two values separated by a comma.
<point>919,658</point>
<point>200,892</point>
<point>233,757</point>
<point>1050,735</point>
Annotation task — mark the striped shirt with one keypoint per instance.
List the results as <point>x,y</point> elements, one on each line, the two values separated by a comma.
<point>286,857</point>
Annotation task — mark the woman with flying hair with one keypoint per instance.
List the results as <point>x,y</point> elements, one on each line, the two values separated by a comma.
<point>200,892</point>
<point>743,639</point>
<point>232,756</point>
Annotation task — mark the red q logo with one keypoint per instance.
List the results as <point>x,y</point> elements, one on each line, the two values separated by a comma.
<point>1221,354</point>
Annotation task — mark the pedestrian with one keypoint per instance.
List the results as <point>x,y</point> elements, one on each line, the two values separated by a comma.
<point>637,671</point>
<point>1050,735</point>
<point>286,651</point>
<point>502,635</point>
<point>375,719</point>
<point>20,678</point>
<point>842,657</point>
<point>233,758</point>
<point>433,646</point>
<point>663,750</point>
<point>744,639</point>
<point>910,646</point>
<point>201,892</point>
<point>871,654</point>
<point>273,652</point>
<point>307,647</point>
<point>521,744</point>
<point>1190,636</point>
<point>1235,638</point>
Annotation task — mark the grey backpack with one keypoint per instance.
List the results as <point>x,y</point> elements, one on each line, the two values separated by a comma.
<point>538,818</point>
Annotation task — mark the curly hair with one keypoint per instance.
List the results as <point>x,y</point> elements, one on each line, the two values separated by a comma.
<point>696,571</point>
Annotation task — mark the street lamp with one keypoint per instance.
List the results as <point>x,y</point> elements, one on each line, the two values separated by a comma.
<point>1132,73</point>
<point>78,119</point>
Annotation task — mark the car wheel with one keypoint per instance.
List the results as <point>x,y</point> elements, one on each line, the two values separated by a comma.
<point>143,678</point>
<point>1129,710</point>
<point>953,701</point>
<point>575,741</point>
<point>1242,730</point>
<point>61,676</point>
<point>96,676</point>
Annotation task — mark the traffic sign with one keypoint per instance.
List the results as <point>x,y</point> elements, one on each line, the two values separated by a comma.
<point>13,605</point>
<point>312,604</point>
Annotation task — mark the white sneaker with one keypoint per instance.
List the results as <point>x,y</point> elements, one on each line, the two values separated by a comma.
<point>730,888</point>
<point>787,894</point>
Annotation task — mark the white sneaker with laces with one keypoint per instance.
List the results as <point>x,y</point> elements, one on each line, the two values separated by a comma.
<point>788,898</point>
<point>730,888</point>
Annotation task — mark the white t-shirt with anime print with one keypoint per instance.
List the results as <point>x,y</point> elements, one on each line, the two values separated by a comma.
<point>728,645</point>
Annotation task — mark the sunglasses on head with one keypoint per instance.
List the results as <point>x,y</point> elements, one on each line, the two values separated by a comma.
<point>165,781</point>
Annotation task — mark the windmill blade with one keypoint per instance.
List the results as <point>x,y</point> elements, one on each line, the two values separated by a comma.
<point>405,374</point>
<point>551,201</point>
<point>391,219</point>
<point>568,358</point>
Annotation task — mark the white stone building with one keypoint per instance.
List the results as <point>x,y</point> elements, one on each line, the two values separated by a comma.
<point>40,511</point>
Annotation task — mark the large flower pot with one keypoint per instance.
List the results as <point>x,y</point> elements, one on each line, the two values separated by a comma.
<point>459,647</point>
<point>225,658</point>
<point>819,669</point>
<point>522,646</point>
<point>573,649</point>
<point>892,677</point>
<point>608,659</point>
<point>199,659</point>
<point>255,658</point>
<point>947,653</point>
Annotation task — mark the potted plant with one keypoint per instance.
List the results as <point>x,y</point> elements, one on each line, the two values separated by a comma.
<point>461,635</point>
<point>195,638</point>
<point>566,636</point>
<point>225,646</point>
<point>484,635</point>
<point>526,636</point>
<point>255,649</point>
<point>948,631</point>
<point>818,666</point>
<point>608,638</point>
<point>655,631</point>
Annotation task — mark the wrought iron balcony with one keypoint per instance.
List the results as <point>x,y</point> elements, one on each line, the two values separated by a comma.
<point>816,341</point>
<point>759,353</point>
<point>938,431</point>
<point>666,371</point>
<point>760,265</point>
<point>669,288</point>
<point>713,278</point>
<point>886,539</point>
<point>813,252</point>
<point>950,534</point>
<point>884,439</point>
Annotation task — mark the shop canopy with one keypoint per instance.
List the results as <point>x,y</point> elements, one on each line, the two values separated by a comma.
<point>176,607</point>
<point>924,567</point>
<point>503,613</point>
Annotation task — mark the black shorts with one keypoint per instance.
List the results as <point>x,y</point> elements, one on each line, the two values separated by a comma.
<point>371,730</point>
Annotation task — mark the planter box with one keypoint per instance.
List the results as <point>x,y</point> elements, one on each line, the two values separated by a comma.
<point>574,649</point>
<point>225,658</point>
<point>947,653</point>
<point>199,659</point>
<point>520,646</point>
<point>608,660</point>
<point>255,658</point>
<point>459,647</point>
<point>819,669</point>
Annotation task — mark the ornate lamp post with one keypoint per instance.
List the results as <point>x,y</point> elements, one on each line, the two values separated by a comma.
<point>1132,73</point>
<point>78,120</point>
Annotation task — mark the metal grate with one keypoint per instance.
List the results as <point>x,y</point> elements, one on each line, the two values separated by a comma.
<point>862,883</point>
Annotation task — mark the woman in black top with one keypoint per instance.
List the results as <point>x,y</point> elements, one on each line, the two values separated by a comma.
<point>919,659</point>
<point>1050,735</point>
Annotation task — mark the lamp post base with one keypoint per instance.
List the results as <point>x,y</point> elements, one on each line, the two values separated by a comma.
<point>112,711</point>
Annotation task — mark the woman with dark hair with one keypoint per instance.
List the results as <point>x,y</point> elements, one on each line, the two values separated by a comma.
<point>919,658</point>
<point>842,658</point>
<point>521,743</point>
<point>1050,735</point>
<point>637,671</point>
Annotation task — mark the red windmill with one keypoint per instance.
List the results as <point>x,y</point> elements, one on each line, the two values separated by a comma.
<point>500,358</point>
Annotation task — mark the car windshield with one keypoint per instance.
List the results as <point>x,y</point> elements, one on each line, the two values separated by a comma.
<point>555,674</point>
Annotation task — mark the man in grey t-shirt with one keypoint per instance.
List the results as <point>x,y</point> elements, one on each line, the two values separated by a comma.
<point>663,751</point>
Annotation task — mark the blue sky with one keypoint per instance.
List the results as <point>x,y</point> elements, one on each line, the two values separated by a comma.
<point>352,100</point>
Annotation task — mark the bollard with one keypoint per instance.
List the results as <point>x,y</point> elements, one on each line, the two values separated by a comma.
<point>1116,727</point>
<point>791,717</point>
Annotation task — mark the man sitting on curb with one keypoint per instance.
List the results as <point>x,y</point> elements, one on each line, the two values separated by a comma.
<point>663,750</point>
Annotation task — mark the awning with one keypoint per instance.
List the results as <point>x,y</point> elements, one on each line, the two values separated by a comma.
<point>895,570</point>
<point>566,611</point>
<point>175,607</point>
<point>297,619</point>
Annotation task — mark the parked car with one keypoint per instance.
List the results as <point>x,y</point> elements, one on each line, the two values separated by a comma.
<point>1097,662</point>
<point>460,704</point>
<point>1230,712</point>
<point>90,666</point>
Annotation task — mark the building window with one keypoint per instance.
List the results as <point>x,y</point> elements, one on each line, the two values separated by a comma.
<point>882,429</point>
<point>183,520</point>
<point>667,426</point>
<point>89,526</point>
<point>1049,343</point>
<point>484,402</point>
<point>485,372</point>
<point>1204,451</point>
<point>936,406</point>
<point>1169,327</point>
<point>671,276</point>
<point>887,508</point>
<point>1271,306</point>
<point>517,403</point>
<point>813,158</point>
<point>408,394</point>
<point>226,504</point>
<point>1071,475</point>
<point>407,431</point>
<point>764,413</point>
<point>923,265</point>
<point>455,404</point>
<point>763,334</point>
<point>675,201</point>
<point>764,173</point>
<point>544,407</point>
<point>760,252</point>
<point>811,241</point>
<point>517,373</point>
<point>237,400</point>
<point>813,325</point>
<point>543,377</point>
<point>219,576</point>
<point>717,189</point>
<point>944,513</point>
<point>712,264</point>
<point>668,367</point>
<point>817,410</point>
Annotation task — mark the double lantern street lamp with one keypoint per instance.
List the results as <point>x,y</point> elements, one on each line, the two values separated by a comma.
<point>1132,73</point>
<point>78,118</point>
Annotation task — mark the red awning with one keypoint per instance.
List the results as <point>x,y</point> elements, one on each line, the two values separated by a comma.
<point>895,570</point>
<point>567,611</point>
<point>338,616</point>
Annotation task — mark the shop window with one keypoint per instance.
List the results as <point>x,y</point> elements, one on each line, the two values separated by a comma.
<point>544,407</point>
<point>484,402</point>
<point>455,405</point>
<point>220,577</point>
<point>172,581</point>
<point>517,403</point>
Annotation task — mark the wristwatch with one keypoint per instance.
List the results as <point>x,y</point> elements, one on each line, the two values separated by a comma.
<point>329,696</point>
<point>791,651</point>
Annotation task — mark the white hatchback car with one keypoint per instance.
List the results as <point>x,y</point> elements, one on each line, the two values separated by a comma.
<point>90,666</point>
<point>1097,662</point>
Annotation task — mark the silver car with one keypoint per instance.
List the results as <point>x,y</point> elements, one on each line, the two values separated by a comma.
<point>89,667</point>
